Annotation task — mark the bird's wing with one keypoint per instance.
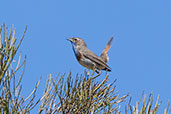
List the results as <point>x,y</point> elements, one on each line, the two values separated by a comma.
<point>96,59</point>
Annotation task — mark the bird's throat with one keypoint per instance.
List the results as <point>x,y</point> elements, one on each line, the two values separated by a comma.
<point>75,48</point>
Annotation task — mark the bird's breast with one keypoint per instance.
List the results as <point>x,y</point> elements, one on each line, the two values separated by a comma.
<point>76,52</point>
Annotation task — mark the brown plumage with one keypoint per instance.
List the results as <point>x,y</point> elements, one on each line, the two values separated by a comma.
<point>87,58</point>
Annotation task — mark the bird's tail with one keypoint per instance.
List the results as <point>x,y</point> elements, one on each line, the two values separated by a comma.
<point>104,55</point>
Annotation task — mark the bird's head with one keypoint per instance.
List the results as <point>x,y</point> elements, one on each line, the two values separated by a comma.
<point>77,41</point>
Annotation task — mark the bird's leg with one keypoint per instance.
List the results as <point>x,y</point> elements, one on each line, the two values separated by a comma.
<point>95,70</point>
<point>98,73</point>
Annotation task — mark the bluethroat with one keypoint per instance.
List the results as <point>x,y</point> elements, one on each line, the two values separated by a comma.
<point>87,58</point>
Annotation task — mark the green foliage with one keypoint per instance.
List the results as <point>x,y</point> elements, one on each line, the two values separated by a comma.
<point>147,105</point>
<point>10,99</point>
<point>82,95</point>
<point>85,94</point>
<point>167,110</point>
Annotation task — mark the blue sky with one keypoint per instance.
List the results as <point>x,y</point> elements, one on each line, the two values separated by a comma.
<point>140,56</point>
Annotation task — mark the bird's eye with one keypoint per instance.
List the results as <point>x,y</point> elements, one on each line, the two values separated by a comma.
<point>75,39</point>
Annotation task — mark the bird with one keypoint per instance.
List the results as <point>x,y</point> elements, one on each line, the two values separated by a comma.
<point>87,58</point>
